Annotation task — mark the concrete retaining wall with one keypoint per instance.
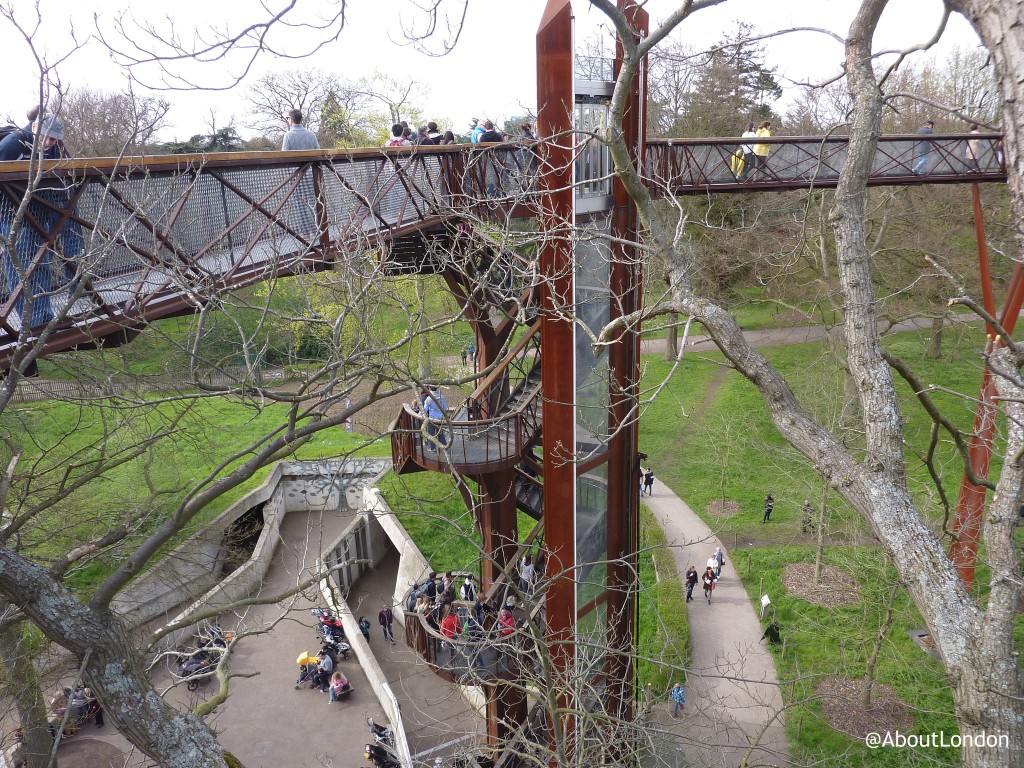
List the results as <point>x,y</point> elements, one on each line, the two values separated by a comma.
<point>413,567</point>
<point>193,568</point>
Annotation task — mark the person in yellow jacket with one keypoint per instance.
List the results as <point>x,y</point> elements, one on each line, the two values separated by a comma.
<point>761,150</point>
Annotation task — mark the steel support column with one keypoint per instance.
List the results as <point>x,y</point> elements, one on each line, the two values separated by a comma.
<point>970,506</point>
<point>555,187</point>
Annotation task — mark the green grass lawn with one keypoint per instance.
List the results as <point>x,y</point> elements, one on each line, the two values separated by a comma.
<point>726,448</point>
<point>826,642</point>
<point>709,437</point>
<point>663,631</point>
<point>64,439</point>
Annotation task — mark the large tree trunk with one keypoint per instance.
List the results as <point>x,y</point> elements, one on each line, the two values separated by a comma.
<point>22,686</point>
<point>112,666</point>
<point>971,650</point>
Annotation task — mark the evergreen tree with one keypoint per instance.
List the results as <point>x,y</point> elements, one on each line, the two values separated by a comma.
<point>735,87</point>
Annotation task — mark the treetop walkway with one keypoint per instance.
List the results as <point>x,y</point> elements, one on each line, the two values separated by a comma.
<point>106,246</point>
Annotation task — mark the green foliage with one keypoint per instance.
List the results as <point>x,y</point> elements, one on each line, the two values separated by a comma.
<point>663,632</point>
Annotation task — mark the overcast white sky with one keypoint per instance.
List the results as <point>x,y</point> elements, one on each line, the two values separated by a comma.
<point>491,72</point>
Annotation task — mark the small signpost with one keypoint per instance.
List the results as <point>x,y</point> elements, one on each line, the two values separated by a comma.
<point>765,602</point>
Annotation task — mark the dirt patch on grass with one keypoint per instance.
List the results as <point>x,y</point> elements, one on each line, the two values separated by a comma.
<point>722,509</point>
<point>840,702</point>
<point>835,587</point>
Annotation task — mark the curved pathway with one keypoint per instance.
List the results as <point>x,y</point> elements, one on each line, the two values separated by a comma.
<point>733,700</point>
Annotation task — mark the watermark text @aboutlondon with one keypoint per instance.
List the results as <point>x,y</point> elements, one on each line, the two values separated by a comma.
<point>935,739</point>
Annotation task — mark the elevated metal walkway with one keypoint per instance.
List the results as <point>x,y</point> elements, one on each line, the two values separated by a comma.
<point>145,238</point>
<point>490,431</point>
<point>702,166</point>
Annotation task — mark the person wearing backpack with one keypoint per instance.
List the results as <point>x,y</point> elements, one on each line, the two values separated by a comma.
<point>397,137</point>
<point>649,482</point>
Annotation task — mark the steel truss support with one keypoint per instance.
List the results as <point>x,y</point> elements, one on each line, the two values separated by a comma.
<point>970,507</point>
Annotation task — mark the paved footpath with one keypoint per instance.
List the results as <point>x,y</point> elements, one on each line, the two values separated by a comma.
<point>733,702</point>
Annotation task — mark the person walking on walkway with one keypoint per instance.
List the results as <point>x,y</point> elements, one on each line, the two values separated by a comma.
<point>761,150</point>
<point>708,579</point>
<point>678,696</point>
<point>769,505</point>
<point>747,157</point>
<point>923,148</point>
<point>691,582</point>
<point>719,562</point>
<point>298,136</point>
<point>385,618</point>
<point>649,481</point>
<point>436,408</point>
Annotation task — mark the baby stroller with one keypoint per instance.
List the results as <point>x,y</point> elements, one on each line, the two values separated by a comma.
<point>380,757</point>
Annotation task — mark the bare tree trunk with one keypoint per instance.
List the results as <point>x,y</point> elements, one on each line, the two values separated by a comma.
<point>672,337</point>
<point>22,685</point>
<point>112,666</point>
<point>934,351</point>
<point>819,552</point>
<point>883,629</point>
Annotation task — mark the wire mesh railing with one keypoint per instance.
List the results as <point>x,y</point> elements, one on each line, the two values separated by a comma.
<point>690,166</point>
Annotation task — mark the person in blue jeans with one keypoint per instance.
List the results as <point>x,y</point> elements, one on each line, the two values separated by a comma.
<point>47,223</point>
<point>923,147</point>
<point>436,409</point>
<point>678,696</point>
<point>385,619</point>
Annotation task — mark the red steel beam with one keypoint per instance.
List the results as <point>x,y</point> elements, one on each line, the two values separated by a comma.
<point>970,506</point>
<point>555,189</point>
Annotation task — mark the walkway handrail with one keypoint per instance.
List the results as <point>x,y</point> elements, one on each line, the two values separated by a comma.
<point>485,657</point>
<point>469,444</point>
<point>700,165</point>
<point>144,238</point>
<point>512,360</point>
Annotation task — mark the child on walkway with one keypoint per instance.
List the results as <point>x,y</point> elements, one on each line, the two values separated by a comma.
<point>678,696</point>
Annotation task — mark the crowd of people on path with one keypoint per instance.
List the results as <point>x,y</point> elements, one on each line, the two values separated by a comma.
<point>70,707</point>
<point>321,673</point>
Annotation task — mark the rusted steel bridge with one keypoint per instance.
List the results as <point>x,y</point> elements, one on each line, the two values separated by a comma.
<point>106,246</point>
